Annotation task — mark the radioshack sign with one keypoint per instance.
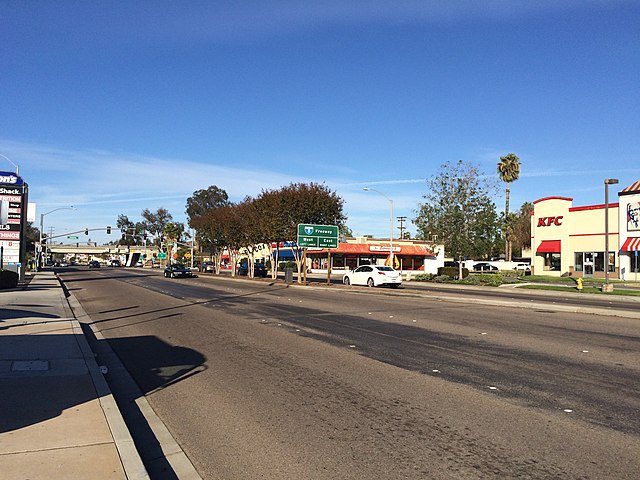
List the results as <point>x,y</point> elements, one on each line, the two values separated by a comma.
<point>13,205</point>
<point>550,221</point>
<point>10,179</point>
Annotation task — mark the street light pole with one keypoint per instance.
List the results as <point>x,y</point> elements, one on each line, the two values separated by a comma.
<point>9,160</point>
<point>367,189</point>
<point>39,259</point>
<point>608,181</point>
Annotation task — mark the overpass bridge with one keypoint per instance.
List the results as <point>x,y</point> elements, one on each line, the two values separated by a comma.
<point>99,250</point>
<point>131,253</point>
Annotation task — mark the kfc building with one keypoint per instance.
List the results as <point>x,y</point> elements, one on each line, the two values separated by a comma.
<point>568,240</point>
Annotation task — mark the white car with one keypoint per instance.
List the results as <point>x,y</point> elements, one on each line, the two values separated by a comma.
<point>523,267</point>
<point>373,276</point>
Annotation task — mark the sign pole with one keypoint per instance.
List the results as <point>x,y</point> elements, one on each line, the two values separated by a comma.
<point>329,268</point>
<point>304,264</point>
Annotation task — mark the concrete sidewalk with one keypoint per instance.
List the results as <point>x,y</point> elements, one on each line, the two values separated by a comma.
<point>58,419</point>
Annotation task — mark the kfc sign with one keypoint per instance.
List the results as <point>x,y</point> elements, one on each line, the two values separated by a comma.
<point>548,221</point>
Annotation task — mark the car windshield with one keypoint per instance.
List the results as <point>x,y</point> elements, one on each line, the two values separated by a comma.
<point>177,265</point>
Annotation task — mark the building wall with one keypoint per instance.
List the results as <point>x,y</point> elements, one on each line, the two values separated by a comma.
<point>629,205</point>
<point>579,230</point>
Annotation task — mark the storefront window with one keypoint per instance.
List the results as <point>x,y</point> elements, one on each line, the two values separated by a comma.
<point>612,262</point>
<point>552,262</point>
<point>578,261</point>
<point>599,261</point>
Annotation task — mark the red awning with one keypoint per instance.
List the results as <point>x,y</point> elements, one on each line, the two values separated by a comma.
<point>549,246</point>
<point>632,244</point>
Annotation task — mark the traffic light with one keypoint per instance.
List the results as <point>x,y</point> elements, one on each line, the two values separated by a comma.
<point>86,231</point>
<point>44,238</point>
<point>108,230</point>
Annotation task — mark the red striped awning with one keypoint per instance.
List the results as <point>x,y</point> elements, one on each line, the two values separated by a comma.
<point>632,244</point>
<point>549,246</point>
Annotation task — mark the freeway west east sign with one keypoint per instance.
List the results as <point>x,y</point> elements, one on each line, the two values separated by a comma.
<point>317,236</point>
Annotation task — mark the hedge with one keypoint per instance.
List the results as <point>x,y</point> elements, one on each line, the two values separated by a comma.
<point>452,272</point>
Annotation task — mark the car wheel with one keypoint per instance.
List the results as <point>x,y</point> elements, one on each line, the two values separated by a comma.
<point>346,281</point>
<point>371,283</point>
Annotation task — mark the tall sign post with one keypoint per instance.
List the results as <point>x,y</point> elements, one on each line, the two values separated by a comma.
<point>318,236</point>
<point>14,193</point>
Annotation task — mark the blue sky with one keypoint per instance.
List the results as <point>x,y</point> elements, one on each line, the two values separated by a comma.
<point>118,106</point>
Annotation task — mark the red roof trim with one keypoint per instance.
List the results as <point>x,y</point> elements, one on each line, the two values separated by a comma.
<point>592,234</point>
<point>553,198</point>
<point>593,207</point>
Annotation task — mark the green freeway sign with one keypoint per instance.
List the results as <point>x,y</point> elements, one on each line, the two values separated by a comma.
<point>72,237</point>
<point>162,255</point>
<point>318,236</point>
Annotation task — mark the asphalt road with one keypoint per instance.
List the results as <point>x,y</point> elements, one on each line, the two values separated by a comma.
<point>266,381</point>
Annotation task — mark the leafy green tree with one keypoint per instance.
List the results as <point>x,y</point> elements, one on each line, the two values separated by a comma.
<point>311,203</point>
<point>198,209</point>
<point>280,212</point>
<point>212,231</point>
<point>32,236</point>
<point>154,222</point>
<point>202,201</point>
<point>173,234</point>
<point>459,210</point>
<point>522,227</point>
<point>508,171</point>
<point>132,233</point>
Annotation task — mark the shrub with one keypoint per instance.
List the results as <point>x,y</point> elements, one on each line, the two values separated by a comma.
<point>442,278</point>
<point>491,279</point>
<point>8,279</point>
<point>453,272</point>
<point>423,277</point>
<point>282,266</point>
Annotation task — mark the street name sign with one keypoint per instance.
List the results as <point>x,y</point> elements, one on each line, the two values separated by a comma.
<point>72,237</point>
<point>317,236</point>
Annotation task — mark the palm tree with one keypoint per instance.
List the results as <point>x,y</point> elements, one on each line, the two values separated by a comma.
<point>509,171</point>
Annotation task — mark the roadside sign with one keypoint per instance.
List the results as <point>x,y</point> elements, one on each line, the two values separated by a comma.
<point>317,236</point>
<point>72,237</point>
<point>162,255</point>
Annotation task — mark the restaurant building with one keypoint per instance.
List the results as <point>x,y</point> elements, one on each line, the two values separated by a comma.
<point>570,241</point>
<point>408,255</point>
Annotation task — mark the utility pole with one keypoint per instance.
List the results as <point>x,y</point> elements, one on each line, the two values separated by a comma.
<point>401,227</point>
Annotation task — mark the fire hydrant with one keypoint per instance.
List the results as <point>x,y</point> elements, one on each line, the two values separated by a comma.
<point>579,282</point>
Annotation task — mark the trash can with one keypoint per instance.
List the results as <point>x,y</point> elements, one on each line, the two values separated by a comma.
<point>288,276</point>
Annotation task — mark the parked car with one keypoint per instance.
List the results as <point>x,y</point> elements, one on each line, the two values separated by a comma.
<point>373,276</point>
<point>115,263</point>
<point>94,264</point>
<point>259,270</point>
<point>207,267</point>
<point>522,267</point>
<point>177,270</point>
<point>61,263</point>
<point>484,267</point>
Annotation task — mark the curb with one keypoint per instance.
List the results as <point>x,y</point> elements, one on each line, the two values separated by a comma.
<point>134,467</point>
<point>131,462</point>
